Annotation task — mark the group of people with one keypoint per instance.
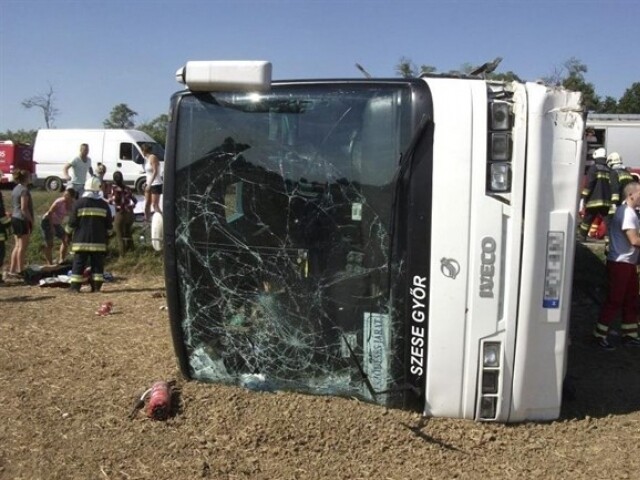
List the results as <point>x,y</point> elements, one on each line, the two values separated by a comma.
<point>612,193</point>
<point>602,192</point>
<point>86,204</point>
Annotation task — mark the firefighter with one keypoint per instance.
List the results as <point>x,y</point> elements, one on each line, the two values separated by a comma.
<point>620,176</point>
<point>596,194</point>
<point>89,225</point>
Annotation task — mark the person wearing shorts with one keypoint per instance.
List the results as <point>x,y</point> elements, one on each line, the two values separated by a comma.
<point>21,222</point>
<point>51,226</point>
<point>153,190</point>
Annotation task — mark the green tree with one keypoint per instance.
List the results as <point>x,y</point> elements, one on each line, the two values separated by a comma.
<point>20,136</point>
<point>406,68</point>
<point>121,116</point>
<point>572,76</point>
<point>505,77</point>
<point>427,69</point>
<point>156,128</point>
<point>46,103</point>
<point>590,100</point>
<point>608,105</point>
<point>630,100</point>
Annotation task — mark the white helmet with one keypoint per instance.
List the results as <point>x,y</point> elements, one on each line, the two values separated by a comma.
<point>614,159</point>
<point>600,153</point>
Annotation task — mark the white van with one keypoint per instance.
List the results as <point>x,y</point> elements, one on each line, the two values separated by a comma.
<point>616,133</point>
<point>116,149</point>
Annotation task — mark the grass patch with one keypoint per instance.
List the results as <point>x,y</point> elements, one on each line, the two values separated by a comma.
<point>143,260</point>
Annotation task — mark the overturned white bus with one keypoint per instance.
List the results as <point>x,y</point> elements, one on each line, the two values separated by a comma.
<point>409,242</point>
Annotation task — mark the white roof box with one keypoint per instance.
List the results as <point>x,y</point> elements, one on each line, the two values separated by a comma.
<point>217,76</point>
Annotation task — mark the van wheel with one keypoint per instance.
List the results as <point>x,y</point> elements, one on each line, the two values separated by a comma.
<point>53,184</point>
<point>140,185</point>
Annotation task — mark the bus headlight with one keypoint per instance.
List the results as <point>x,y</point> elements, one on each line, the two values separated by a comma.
<point>500,147</point>
<point>499,177</point>
<point>490,381</point>
<point>490,376</point>
<point>488,408</point>
<point>491,355</point>
<point>499,115</point>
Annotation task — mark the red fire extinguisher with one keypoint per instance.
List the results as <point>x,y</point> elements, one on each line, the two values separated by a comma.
<point>159,404</point>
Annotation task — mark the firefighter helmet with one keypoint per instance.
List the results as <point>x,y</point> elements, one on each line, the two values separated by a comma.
<point>600,153</point>
<point>614,159</point>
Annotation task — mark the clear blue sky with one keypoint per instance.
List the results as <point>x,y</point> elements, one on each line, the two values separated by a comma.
<point>96,54</point>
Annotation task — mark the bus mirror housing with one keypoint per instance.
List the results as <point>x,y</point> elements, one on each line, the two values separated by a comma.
<point>226,76</point>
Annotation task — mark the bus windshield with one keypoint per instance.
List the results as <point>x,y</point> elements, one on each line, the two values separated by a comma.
<point>283,203</point>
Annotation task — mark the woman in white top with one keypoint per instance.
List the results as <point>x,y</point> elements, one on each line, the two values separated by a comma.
<point>153,190</point>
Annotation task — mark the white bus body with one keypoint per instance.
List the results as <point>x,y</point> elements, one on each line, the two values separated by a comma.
<point>456,305</point>
<point>116,149</point>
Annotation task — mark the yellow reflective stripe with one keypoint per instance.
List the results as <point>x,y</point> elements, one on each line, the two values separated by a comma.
<point>598,203</point>
<point>92,212</point>
<point>97,277</point>
<point>68,229</point>
<point>88,247</point>
<point>602,176</point>
<point>601,330</point>
<point>585,192</point>
<point>77,278</point>
<point>3,237</point>
<point>5,220</point>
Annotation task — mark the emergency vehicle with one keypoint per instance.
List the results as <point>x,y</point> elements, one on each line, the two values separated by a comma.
<point>615,133</point>
<point>15,156</point>
<point>408,242</point>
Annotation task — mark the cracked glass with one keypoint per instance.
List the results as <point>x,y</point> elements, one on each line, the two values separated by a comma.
<point>283,209</point>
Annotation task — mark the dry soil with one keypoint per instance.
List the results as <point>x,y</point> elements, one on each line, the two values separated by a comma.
<point>68,380</point>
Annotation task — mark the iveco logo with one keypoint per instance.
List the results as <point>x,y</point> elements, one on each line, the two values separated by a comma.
<point>449,267</point>
<point>487,267</point>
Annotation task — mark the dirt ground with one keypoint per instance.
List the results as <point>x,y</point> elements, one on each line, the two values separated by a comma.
<point>68,379</point>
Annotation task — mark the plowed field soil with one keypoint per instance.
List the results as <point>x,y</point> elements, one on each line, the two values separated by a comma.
<point>68,380</point>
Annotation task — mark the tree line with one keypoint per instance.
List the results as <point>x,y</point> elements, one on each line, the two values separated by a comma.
<point>121,116</point>
<point>571,75</point>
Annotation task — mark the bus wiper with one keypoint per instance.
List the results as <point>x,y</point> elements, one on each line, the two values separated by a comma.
<point>405,165</point>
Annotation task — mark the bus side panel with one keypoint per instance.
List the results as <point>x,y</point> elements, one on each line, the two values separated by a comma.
<point>452,154</point>
<point>556,131</point>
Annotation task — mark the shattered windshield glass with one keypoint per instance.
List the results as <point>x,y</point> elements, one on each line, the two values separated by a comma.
<point>283,206</point>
